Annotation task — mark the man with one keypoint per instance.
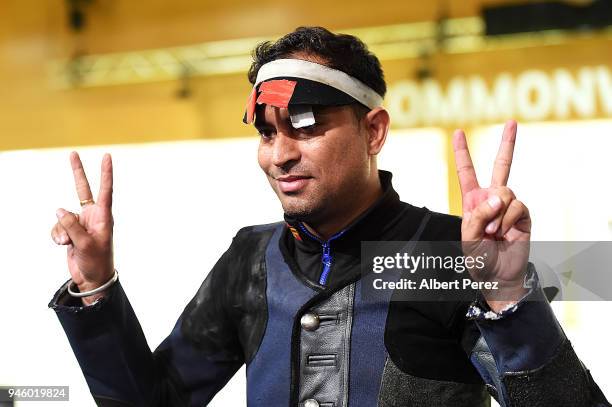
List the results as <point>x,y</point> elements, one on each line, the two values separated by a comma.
<point>288,298</point>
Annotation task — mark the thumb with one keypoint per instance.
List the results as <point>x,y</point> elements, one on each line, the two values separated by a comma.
<point>480,217</point>
<point>75,231</point>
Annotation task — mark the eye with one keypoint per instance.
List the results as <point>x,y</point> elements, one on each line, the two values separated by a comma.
<point>265,134</point>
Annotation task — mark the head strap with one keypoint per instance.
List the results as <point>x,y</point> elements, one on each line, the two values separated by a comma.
<point>298,68</point>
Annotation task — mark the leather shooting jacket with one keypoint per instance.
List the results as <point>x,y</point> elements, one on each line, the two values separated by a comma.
<point>290,307</point>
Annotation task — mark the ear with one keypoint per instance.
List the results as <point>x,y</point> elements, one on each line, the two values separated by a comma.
<point>377,125</point>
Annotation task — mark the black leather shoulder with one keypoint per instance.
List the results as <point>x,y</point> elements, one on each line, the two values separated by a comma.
<point>229,312</point>
<point>248,306</point>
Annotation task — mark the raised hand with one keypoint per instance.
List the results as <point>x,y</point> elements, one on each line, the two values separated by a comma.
<point>494,221</point>
<point>89,235</point>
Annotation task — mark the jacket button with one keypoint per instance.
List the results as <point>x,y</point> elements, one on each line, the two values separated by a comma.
<point>310,322</point>
<point>311,403</point>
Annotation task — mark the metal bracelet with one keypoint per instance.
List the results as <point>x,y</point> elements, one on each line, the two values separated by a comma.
<point>95,290</point>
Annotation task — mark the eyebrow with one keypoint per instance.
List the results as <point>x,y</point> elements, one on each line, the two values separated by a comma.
<point>262,124</point>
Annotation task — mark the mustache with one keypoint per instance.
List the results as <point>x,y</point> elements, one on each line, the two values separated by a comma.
<point>293,171</point>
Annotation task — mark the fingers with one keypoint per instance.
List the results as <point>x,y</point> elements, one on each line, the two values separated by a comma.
<point>59,234</point>
<point>80,179</point>
<point>517,215</point>
<point>503,161</point>
<point>507,196</point>
<point>76,233</point>
<point>463,162</point>
<point>105,196</point>
<point>484,213</point>
<point>497,216</point>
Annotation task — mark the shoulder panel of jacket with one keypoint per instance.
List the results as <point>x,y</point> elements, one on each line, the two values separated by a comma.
<point>236,291</point>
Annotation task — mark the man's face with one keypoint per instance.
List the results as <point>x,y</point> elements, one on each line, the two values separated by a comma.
<point>318,170</point>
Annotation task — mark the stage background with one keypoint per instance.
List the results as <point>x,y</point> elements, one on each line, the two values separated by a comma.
<point>161,86</point>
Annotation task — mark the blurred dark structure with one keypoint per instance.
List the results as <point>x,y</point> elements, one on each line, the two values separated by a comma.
<point>76,13</point>
<point>550,15</point>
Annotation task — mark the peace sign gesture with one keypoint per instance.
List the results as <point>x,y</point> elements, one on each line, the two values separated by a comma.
<point>494,221</point>
<point>89,235</point>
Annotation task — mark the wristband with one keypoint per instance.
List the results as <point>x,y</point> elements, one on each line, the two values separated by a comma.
<point>95,290</point>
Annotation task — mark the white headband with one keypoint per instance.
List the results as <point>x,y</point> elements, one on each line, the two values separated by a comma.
<point>298,68</point>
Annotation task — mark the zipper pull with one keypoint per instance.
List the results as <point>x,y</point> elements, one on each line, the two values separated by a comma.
<point>326,258</point>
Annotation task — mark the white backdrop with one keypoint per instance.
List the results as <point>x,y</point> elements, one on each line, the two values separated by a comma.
<point>176,208</point>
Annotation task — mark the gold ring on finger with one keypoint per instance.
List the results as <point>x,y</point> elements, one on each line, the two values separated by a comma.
<point>86,202</point>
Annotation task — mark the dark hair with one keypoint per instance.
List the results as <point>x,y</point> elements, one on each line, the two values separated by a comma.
<point>343,52</point>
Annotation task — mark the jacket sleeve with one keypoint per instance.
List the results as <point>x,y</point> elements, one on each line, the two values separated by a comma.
<point>187,369</point>
<point>526,360</point>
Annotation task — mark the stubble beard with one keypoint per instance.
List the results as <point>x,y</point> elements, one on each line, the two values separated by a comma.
<point>316,205</point>
<point>310,206</point>
<point>305,209</point>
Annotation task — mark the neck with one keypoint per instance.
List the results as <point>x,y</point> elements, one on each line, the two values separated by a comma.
<point>344,216</point>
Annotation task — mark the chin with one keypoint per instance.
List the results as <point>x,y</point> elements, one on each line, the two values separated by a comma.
<point>301,209</point>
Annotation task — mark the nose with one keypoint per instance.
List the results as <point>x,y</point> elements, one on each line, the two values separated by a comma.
<point>285,149</point>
